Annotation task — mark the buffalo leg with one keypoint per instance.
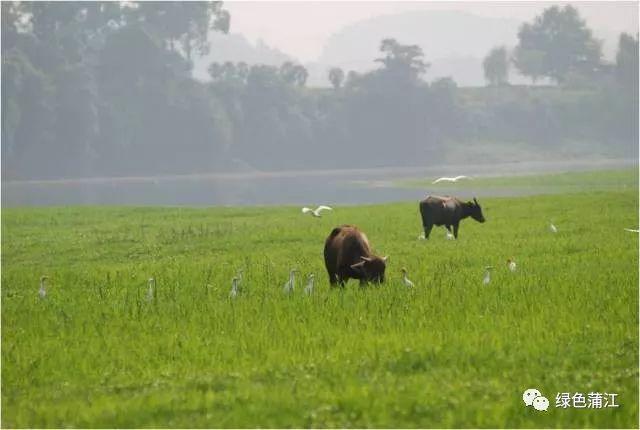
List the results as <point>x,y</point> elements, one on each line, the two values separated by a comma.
<point>427,230</point>
<point>455,230</point>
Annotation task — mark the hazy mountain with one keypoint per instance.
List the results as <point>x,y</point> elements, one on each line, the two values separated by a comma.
<point>235,48</point>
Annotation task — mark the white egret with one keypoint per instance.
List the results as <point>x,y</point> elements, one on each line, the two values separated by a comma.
<point>511,264</point>
<point>447,179</point>
<point>317,211</point>
<point>553,228</point>
<point>234,288</point>
<point>449,234</point>
<point>151,286</point>
<point>632,231</point>
<point>308,289</point>
<point>407,283</point>
<point>487,275</point>
<point>240,276</point>
<point>290,285</point>
<point>42,292</point>
<point>421,236</point>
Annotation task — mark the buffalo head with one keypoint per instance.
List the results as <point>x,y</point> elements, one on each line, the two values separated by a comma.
<point>371,269</point>
<point>475,211</point>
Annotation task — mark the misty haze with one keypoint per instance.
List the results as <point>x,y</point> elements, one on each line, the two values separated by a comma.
<point>319,215</point>
<point>163,104</point>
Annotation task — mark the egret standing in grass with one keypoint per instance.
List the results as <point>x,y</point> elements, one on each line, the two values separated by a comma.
<point>421,236</point>
<point>487,275</point>
<point>449,234</point>
<point>511,264</point>
<point>42,292</point>
<point>447,179</point>
<point>405,280</point>
<point>151,283</point>
<point>317,211</point>
<point>234,288</point>
<point>290,285</point>
<point>308,289</point>
<point>553,228</point>
<point>240,276</point>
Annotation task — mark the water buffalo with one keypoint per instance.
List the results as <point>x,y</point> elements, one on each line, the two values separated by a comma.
<point>447,211</point>
<point>347,254</point>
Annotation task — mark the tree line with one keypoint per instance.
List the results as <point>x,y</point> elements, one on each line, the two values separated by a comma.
<point>105,89</point>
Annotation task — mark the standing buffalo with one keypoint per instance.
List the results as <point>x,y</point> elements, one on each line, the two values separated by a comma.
<point>447,211</point>
<point>347,254</point>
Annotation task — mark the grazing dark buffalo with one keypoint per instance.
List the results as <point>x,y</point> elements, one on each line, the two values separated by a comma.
<point>347,254</point>
<point>447,211</point>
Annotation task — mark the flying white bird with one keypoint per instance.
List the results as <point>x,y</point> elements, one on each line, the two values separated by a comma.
<point>151,283</point>
<point>291,283</point>
<point>553,228</point>
<point>308,289</point>
<point>511,264</point>
<point>42,292</point>
<point>234,288</point>
<point>487,275</point>
<point>317,211</point>
<point>407,283</point>
<point>446,179</point>
<point>632,231</point>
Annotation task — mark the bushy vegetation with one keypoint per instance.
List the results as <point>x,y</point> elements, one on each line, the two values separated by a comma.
<point>105,89</point>
<point>452,352</point>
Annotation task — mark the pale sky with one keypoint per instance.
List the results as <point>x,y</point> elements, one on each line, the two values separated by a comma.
<point>301,28</point>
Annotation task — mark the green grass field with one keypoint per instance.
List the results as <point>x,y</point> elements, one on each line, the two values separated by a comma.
<point>452,352</point>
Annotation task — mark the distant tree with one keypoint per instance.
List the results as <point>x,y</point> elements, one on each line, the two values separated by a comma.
<point>293,74</point>
<point>336,77</point>
<point>184,24</point>
<point>562,44</point>
<point>627,60</point>
<point>402,61</point>
<point>496,66</point>
<point>531,60</point>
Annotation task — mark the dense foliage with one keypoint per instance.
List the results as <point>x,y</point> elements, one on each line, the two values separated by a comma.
<point>105,89</point>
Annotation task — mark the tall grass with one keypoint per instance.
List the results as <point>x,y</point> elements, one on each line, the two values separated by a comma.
<point>450,352</point>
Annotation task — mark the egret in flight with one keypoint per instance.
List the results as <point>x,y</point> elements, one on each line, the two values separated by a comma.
<point>317,211</point>
<point>447,179</point>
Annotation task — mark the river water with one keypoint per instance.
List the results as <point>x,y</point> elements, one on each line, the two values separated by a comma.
<point>356,186</point>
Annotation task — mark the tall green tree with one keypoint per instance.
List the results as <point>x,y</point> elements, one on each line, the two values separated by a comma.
<point>496,66</point>
<point>336,77</point>
<point>627,60</point>
<point>404,62</point>
<point>558,43</point>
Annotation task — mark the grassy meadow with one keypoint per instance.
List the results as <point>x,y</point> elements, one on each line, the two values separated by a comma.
<point>451,352</point>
